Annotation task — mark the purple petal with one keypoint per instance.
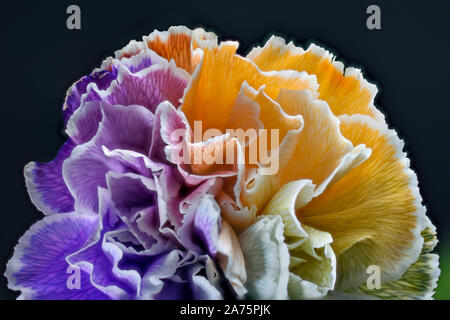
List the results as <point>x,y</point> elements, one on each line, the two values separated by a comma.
<point>38,267</point>
<point>136,201</point>
<point>191,287</point>
<point>85,121</point>
<point>167,121</point>
<point>128,128</point>
<point>85,171</point>
<point>137,162</point>
<point>170,194</point>
<point>131,193</point>
<point>163,267</point>
<point>200,233</point>
<point>149,87</point>
<point>207,224</point>
<point>100,258</point>
<point>102,79</point>
<point>45,183</point>
<point>140,59</point>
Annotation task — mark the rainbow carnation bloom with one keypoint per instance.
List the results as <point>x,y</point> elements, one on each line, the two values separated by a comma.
<point>191,172</point>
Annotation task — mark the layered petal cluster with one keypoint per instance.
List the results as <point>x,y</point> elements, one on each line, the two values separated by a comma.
<point>160,192</point>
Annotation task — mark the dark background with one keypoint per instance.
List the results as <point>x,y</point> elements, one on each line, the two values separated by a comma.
<point>407,59</point>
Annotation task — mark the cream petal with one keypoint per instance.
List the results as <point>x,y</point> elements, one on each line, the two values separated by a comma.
<point>319,265</point>
<point>266,259</point>
<point>300,289</point>
<point>311,257</point>
<point>231,259</point>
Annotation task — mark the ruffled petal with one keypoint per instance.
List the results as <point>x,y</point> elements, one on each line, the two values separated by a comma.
<point>100,258</point>
<point>178,147</point>
<point>164,267</point>
<point>347,92</point>
<point>221,74</point>
<point>102,79</point>
<point>200,210</point>
<point>181,44</point>
<point>134,57</point>
<point>231,259</point>
<point>374,213</point>
<point>418,282</point>
<point>207,224</point>
<point>39,269</point>
<point>317,152</point>
<point>127,128</point>
<point>135,198</point>
<point>45,183</point>
<point>84,123</point>
<point>266,259</point>
<point>312,260</point>
<point>149,87</point>
<point>188,284</point>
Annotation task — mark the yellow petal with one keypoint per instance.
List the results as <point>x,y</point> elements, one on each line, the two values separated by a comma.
<point>318,152</point>
<point>347,92</point>
<point>373,213</point>
<point>321,148</point>
<point>217,81</point>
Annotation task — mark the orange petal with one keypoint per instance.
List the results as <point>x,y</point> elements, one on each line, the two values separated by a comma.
<point>346,92</point>
<point>180,44</point>
<point>217,81</point>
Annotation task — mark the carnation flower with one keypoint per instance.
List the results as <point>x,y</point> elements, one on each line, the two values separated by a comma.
<point>191,172</point>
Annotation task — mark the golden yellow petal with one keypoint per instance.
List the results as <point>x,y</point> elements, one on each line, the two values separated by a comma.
<point>347,92</point>
<point>318,152</point>
<point>373,213</point>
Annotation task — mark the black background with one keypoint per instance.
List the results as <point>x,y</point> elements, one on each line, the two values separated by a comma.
<point>40,58</point>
